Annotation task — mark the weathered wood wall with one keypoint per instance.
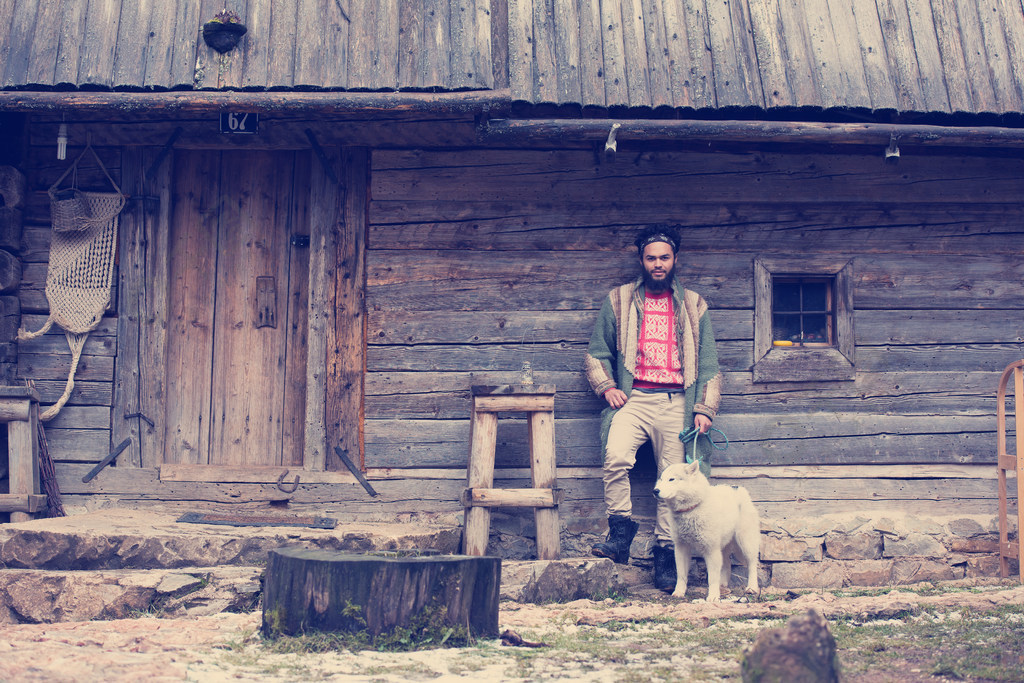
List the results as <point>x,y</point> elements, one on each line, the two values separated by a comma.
<point>481,259</point>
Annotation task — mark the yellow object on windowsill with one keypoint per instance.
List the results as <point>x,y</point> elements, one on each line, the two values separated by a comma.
<point>781,342</point>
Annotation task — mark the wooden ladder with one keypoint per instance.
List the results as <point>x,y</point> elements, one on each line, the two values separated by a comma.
<point>1010,462</point>
<point>538,402</point>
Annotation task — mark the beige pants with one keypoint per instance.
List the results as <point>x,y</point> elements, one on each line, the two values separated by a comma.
<point>658,417</point>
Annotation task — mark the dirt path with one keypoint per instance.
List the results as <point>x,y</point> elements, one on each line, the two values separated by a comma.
<point>652,638</point>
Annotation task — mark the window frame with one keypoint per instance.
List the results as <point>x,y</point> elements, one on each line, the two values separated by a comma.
<point>803,363</point>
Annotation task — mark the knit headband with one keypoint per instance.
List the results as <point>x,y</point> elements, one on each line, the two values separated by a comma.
<point>658,237</point>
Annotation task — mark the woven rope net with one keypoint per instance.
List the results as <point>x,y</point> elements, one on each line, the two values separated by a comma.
<point>79,281</point>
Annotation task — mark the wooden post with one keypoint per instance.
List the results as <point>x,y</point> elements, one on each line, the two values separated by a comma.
<point>19,408</point>
<point>321,590</point>
<point>1006,461</point>
<point>483,435</point>
<point>542,469</point>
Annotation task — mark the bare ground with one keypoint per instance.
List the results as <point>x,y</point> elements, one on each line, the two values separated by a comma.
<point>959,631</point>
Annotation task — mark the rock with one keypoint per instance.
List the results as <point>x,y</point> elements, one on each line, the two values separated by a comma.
<point>776,549</point>
<point>974,545</point>
<point>853,546</point>
<point>564,580</point>
<point>824,574</point>
<point>870,572</point>
<point>886,526</point>
<point>966,528</point>
<point>34,596</point>
<point>984,565</point>
<point>801,651</point>
<point>913,545</point>
<point>918,569</point>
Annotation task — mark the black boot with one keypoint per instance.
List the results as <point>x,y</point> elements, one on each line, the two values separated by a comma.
<point>664,568</point>
<point>621,530</point>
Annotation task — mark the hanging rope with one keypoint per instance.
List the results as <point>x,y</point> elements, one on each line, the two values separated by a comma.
<point>80,274</point>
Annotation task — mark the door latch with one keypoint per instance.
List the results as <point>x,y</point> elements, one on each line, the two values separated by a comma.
<point>266,302</point>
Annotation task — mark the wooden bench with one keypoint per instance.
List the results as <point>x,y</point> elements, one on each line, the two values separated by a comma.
<point>538,402</point>
<point>1010,462</point>
<point>19,408</point>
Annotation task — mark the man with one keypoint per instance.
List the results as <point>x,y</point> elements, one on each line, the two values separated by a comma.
<point>652,358</point>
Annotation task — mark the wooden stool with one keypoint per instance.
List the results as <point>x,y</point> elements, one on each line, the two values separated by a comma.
<point>538,401</point>
<point>19,408</point>
<point>1010,462</point>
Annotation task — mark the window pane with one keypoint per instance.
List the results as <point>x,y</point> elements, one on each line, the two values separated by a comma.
<point>786,328</point>
<point>816,328</point>
<point>786,296</point>
<point>815,296</point>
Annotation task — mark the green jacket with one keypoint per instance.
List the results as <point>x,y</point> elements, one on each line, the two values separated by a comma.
<point>611,355</point>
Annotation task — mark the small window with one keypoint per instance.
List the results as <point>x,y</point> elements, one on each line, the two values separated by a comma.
<point>803,313</point>
<point>803,320</point>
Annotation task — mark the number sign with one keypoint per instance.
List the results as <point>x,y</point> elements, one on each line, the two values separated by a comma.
<point>239,122</point>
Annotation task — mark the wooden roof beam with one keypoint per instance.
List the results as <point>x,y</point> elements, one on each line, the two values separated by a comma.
<point>201,102</point>
<point>797,132</point>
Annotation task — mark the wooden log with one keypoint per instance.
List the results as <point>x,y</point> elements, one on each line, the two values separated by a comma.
<point>10,271</point>
<point>11,223</point>
<point>589,130</point>
<point>13,187</point>
<point>210,102</point>
<point>316,590</point>
<point>22,504</point>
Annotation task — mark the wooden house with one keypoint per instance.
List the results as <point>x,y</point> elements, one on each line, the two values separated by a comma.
<point>437,191</point>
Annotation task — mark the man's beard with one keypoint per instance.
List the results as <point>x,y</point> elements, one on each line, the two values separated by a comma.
<point>659,286</point>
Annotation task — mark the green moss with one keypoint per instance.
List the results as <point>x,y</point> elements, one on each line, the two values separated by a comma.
<point>428,629</point>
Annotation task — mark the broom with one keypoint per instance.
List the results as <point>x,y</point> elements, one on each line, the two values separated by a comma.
<point>48,478</point>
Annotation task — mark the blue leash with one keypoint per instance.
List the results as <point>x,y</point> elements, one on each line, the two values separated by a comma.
<point>693,434</point>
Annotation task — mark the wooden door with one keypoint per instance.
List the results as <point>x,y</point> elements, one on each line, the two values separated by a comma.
<point>236,356</point>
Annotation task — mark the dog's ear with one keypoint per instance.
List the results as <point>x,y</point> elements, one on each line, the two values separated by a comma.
<point>692,467</point>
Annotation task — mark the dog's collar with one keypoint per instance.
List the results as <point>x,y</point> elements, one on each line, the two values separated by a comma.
<point>691,508</point>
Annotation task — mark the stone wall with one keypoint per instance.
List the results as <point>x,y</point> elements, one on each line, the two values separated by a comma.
<point>882,551</point>
<point>826,552</point>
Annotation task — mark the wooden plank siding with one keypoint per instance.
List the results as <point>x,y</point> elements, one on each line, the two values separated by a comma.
<point>309,44</point>
<point>478,262</point>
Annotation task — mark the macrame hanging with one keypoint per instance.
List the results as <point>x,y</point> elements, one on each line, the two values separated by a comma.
<point>79,279</point>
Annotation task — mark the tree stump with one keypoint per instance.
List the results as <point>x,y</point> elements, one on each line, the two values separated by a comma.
<point>320,590</point>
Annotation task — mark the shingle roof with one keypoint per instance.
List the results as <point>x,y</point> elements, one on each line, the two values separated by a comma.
<point>333,44</point>
<point>906,55</point>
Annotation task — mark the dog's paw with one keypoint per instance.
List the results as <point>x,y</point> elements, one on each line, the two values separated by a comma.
<point>679,593</point>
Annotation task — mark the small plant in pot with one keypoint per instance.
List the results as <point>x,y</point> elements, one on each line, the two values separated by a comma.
<point>223,32</point>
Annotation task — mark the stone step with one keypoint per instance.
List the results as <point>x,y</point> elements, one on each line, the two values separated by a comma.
<point>147,539</point>
<point>32,596</point>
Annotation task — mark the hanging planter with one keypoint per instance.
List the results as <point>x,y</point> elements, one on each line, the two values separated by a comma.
<point>223,32</point>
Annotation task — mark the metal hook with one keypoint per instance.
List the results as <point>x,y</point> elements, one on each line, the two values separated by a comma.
<point>285,489</point>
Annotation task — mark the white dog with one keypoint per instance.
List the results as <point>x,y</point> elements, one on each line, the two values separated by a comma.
<point>711,522</point>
